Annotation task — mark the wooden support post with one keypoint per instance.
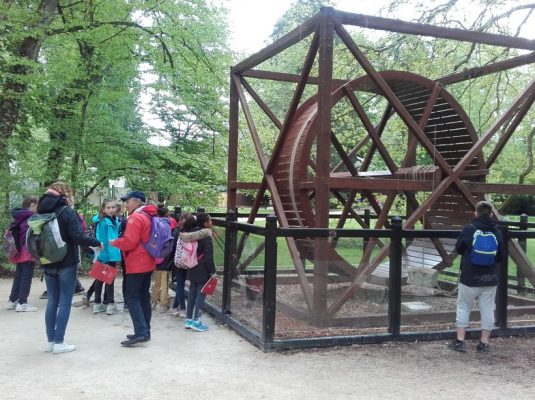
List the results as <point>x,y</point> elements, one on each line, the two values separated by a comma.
<point>520,277</point>
<point>229,263</point>
<point>270,281</point>
<point>232,173</point>
<point>323,132</point>
<point>394,280</point>
<point>503,271</point>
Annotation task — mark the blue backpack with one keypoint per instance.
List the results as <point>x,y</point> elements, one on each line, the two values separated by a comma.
<point>160,243</point>
<point>484,248</point>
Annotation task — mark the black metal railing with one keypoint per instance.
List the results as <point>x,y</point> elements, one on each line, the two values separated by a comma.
<point>265,338</point>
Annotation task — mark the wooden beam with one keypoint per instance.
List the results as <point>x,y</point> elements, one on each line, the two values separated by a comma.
<point>477,72</point>
<point>504,138</point>
<point>261,103</point>
<point>379,184</point>
<point>323,139</point>
<point>232,166</point>
<point>285,77</point>
<point>457,77</point>
<point>504,188</point>
<point>244,185</point>
<point>411,28</point>
<point>294,104</point>
<point>279,45</point>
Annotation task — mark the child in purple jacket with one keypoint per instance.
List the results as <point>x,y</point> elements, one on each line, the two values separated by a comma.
<point>18,299</point>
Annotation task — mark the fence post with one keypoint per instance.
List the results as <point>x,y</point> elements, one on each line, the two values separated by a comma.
<point>367,220</point>
<point>394,278</point>
<point>520,278</point>
<point>270,280</point>
<point>228,263</point>
<point>503,271</point>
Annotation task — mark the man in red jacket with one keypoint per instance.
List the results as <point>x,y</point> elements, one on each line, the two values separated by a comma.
<point>139,265</point>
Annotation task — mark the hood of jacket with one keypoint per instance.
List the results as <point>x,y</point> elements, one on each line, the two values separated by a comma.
<point>151,210</point>
<point>195,235</point>
<point>20,214</point>
<point>485,222</point>
<point>49,203</point>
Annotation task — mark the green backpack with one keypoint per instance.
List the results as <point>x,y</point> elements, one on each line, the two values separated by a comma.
<point>44,238</point>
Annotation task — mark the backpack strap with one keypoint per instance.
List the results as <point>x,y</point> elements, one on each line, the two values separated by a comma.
<point>60,211</point>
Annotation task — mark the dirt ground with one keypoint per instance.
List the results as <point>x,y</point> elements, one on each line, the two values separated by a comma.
<point>219,364</point>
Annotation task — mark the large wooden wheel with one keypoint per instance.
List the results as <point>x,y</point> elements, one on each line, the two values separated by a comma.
<point>445,125</point>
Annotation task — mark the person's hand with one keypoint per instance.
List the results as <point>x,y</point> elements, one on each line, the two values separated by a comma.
<point>101,246</point>
<point>111,242</point>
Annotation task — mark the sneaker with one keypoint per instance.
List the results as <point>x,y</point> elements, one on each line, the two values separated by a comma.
<point>483,347</point>
<point>199,326</point>
<point>84,302</point>
<point>162,308</point>
<point>11,305</point>
<point>181,313</point>
<point>49,346</point>
<point>98,308</point>
<point>188,323</point>
<point>44,295</point>
<point>153,305</point>
<point>63,348</point>
<point>79,292</point>
<point>25,308</point>
<point>111,309</point>
<point>174,312</point>
<point>457,345</point>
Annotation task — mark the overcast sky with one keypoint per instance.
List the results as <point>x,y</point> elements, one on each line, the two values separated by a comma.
<point>252,21</point>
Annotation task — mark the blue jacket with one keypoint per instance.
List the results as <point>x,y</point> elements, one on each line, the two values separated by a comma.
<point>107,229</point>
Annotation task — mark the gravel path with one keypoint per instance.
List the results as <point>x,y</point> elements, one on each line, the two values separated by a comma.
<point>219,364</point>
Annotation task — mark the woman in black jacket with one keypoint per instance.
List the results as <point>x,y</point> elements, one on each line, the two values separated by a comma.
<point>60,277</point>
<point>198,228</point>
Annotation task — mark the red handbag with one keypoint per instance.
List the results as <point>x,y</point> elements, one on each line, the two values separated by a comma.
<point>103,272</point>
<point>209,287</point>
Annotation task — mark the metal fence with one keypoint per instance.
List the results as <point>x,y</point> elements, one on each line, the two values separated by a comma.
<point>261,288</point>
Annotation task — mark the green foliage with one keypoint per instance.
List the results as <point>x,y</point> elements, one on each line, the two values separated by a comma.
<point>80,115</point>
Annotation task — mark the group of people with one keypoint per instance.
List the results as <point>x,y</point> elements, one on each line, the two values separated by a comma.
<point>120,241</point>
<point>116,242</point>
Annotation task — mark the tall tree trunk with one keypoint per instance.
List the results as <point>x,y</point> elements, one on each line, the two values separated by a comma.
<point>14,88</point>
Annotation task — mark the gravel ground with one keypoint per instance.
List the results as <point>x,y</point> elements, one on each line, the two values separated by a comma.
<point>219,364</point>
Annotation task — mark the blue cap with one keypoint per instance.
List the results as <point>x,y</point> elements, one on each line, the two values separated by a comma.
<point>134,194</point>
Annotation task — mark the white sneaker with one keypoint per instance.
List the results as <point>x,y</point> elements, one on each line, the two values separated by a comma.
<point>63,348</point>
<point>174,312</point>
<point>162,309</point>
<point>25,308</point>
<point>111,309</point>
<point>49,346</point>
<point>98,308</point>
<point>11,305</point>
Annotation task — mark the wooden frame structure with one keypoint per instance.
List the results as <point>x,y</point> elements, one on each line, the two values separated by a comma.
<point>286,176</point>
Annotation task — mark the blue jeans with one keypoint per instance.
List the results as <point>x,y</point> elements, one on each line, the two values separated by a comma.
<point>22,282</point>
<point>137,298</point>
<point>60,284</point>
<point>195,301</point>
<point>180,297</point>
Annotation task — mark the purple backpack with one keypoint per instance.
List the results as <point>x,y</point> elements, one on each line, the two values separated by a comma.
<point>160,243</point>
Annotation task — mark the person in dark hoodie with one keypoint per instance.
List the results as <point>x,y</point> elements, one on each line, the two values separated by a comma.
<point>198,228</point>
<point>60,277</point>
<point>477,281</point>
<point>139,265</point>
<point>22,283</point>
